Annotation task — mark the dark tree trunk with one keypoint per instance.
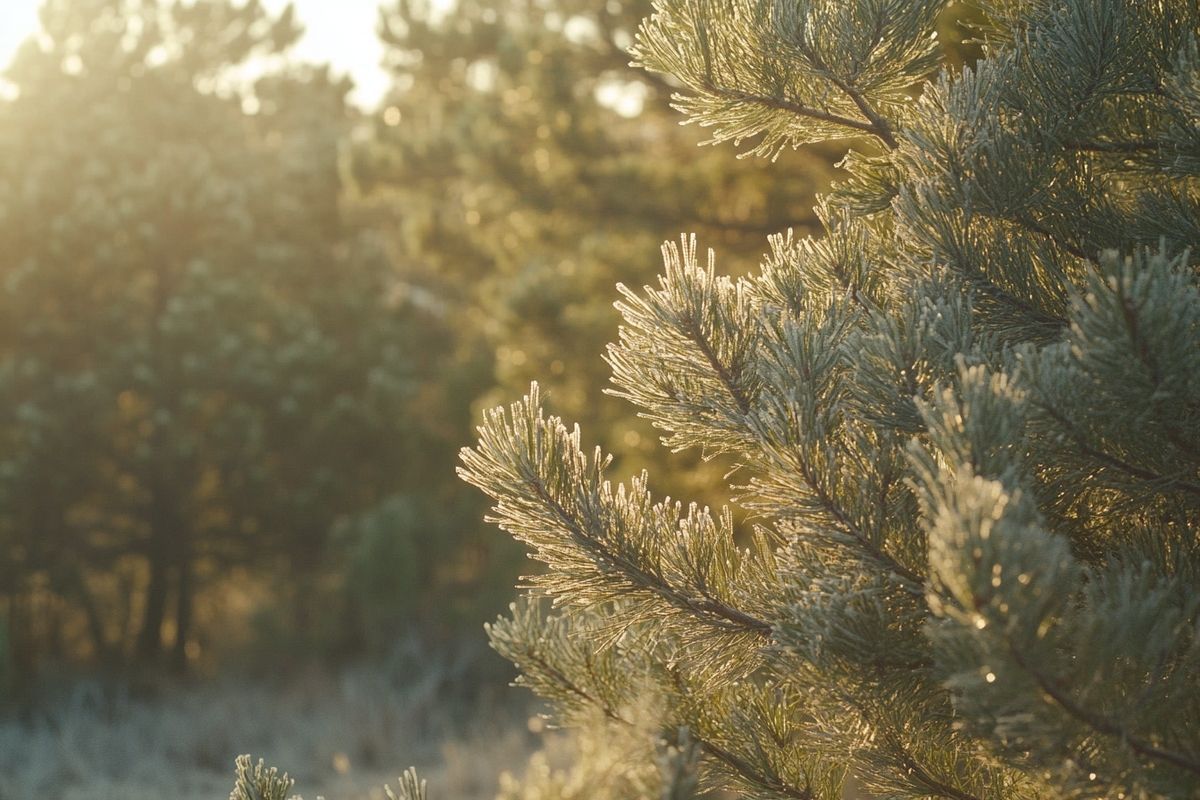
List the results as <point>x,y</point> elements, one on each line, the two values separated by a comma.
<point>163,511</point>
<point>95,621</point>
<point>183,615</point>
<point>55,647</point>
<point>149,640</point>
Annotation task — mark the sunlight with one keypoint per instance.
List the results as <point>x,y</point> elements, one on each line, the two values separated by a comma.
<point>18,19</point>
<point>335,32</point>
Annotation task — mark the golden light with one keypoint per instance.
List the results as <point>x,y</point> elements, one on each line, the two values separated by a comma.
<point>341,34</point>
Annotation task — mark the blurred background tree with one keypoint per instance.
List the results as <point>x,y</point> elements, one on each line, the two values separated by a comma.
<point>530,168</point>
<point>206,366</point>
<point>244,328</point>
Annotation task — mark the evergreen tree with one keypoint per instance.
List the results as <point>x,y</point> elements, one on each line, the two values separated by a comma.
<point>966,418</point>
<point>530,167</point>
<point>202,364</point>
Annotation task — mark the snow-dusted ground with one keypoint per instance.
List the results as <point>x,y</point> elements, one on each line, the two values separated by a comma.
<point>342,736</point>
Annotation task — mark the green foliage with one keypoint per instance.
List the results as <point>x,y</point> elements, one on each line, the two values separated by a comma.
<point>964,418</point>
<point>607,761</point>
<point>410,787</point>
<point>531,166</point>
<point>259,782</point>
<point>204,362</point>
<point>384,566</point>
<point>407,562</point>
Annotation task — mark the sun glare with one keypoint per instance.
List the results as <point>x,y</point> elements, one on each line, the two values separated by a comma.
<point>341,33</point>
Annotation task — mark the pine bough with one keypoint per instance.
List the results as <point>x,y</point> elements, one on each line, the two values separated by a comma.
<point>966,422</point>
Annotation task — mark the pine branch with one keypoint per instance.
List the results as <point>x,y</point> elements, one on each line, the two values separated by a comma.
<point>914,583</point>
<point>1101,724</point>
<point>905,757</point>
<point>562,680</point>
<point>799,109</point>
<point>735,392</point>
<point>751,775</point>
<point>1041,230</point>
<point>878,125</point>
<point>712,612</point>
<point>731,760</point>
<point>258,782</point>
<point>998,293</point>
<point>1118,148</point>
<point>923,777</point>
<point>1111,460</point>
<point>1141,347</point>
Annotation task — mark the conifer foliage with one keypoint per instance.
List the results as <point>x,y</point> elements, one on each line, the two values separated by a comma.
<point>967,419</point>
<point>204,364</point>
<point>526,166</point>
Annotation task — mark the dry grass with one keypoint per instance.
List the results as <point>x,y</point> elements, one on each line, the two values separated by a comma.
<point>341,736</point>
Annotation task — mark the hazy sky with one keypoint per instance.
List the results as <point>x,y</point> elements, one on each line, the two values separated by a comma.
<point>341,32</point>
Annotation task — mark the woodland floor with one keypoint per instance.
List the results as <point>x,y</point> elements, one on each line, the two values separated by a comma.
<point>340,735</point>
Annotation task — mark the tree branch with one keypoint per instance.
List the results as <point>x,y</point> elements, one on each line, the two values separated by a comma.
<point>1120,148</point>
<point>916,581</point>
<point>734,762</point>
<point>1038,228</point>
<point>904,756</point>
<point>1102,724</point>
<point>799,109</point>
<point>1133,327</point>
<point>878,125</point>
<point>709,610</point>
<point>735,391</point>
<point>1113,461</point>
<point>921,776</point>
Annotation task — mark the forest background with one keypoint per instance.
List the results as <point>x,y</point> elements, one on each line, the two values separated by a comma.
<point>246,325</point>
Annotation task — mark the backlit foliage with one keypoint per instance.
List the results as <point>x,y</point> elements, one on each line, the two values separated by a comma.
<point>966,419</point>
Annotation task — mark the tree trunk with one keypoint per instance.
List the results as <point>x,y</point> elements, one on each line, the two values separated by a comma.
<point>95,622</point>
<point>163,512</point>
<point>183,614</point>
<point>55,647</point>
<point>149,640</point>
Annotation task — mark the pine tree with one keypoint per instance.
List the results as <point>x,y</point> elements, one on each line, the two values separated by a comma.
<point>967,419</point>
<point>202,363</point>
<point>529,167</point>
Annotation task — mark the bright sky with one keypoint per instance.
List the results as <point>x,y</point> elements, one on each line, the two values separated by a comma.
<point>341,32</point>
